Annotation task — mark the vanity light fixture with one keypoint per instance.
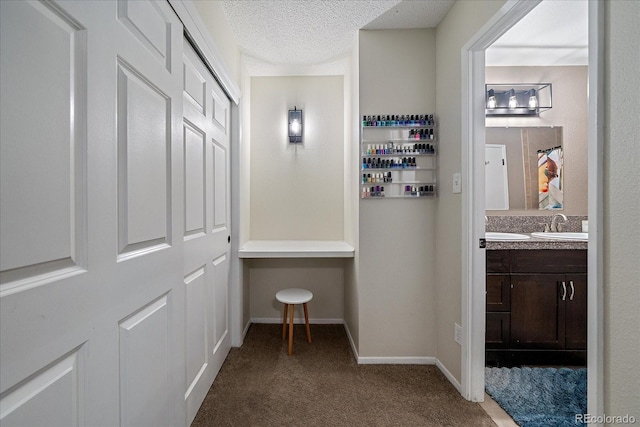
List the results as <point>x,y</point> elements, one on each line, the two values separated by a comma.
<point>517,99</point>
<point>295,126</point>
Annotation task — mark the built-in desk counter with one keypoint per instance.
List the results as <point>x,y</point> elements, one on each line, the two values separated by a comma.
<point>296,249</point>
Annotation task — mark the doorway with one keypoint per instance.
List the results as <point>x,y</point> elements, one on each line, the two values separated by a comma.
<point>473,294</point>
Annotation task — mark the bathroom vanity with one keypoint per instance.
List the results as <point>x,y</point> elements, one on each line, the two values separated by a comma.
<point>536,303</point>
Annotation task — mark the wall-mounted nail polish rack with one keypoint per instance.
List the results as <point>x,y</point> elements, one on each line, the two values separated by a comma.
<point>399,154</point>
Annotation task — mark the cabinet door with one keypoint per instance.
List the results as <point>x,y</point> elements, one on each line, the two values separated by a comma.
<point>498,292</point>
<point>537,311</point>
<point>497,330</point>
<point>576,312</point>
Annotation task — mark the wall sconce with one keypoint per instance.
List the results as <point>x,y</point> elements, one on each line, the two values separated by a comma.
<point>521,99</point>
<point>295,126</point>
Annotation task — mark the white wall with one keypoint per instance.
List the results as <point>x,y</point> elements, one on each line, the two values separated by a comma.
<point>352,176</point>
<point>297,191</point>
<point>621,210</point>
<point>463,20</point>
<point>395,284</point>
<point>569,111</point>
<point>323,277</point>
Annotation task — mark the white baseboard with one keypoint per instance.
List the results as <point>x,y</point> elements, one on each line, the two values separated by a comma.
<point>353,345</point>
<point>449,376</point>
<point>297,320</point>
<point>396,360</point>
<point>246,329</point>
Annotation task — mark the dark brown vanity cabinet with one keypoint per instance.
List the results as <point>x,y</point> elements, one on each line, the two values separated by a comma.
<point>536,307</point>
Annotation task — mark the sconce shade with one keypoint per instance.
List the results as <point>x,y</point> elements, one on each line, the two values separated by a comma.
<point>491,99</point>
<point>517,99</point>
<point>295,126</point>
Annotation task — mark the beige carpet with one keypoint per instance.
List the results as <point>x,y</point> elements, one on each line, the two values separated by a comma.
<point>321,385</point>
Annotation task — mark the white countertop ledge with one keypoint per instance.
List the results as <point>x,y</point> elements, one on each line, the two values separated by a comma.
<point>296,249</point>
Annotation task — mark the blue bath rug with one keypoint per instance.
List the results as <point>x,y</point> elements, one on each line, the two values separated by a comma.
<point>539,397</point>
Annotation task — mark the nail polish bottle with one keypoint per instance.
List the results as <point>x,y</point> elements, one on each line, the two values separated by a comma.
<point>389,177</point>
<point>431,134</point>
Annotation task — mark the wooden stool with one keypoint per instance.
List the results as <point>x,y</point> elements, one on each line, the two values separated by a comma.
<point>290,297</point>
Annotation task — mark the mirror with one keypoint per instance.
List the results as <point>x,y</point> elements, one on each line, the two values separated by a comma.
<point>532,171</point>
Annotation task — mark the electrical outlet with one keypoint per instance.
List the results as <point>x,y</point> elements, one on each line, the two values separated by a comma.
<point>457,335</point>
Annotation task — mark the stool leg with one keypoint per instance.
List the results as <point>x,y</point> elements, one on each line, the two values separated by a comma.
<point>284,321</point>
<point>290,329</point>
<point>306,321</point>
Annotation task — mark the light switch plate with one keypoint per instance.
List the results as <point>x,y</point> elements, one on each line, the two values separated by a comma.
<point>457,183</point>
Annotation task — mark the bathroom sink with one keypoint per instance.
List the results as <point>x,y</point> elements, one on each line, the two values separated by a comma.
<point>582,237</point>
<point>504,237</point>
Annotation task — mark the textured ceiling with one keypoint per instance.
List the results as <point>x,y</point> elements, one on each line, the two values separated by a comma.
<point>298,37</point>
<point>412,14</point>
<point>304,32</point>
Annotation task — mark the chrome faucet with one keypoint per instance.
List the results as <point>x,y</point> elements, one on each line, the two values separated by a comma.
<point>555,227</point>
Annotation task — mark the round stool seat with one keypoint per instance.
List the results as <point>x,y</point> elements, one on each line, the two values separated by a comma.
<point>294,296</point>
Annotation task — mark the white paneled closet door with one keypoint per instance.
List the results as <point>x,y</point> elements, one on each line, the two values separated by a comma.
<point>206,228</point>
<point>92,214</point>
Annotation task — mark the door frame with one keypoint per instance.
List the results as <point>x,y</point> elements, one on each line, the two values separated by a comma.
<point>473,205</point>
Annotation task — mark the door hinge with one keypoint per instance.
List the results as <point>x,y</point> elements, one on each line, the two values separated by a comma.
<point>483,243</point>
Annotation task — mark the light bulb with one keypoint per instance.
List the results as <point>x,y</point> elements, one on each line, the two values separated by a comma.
<point>533,100</point>
<point>295,127</point>
<point>513,102</point>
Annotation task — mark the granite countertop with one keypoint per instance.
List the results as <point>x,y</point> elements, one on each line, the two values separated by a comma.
<point>528,225</point>
<point>536,243</point>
